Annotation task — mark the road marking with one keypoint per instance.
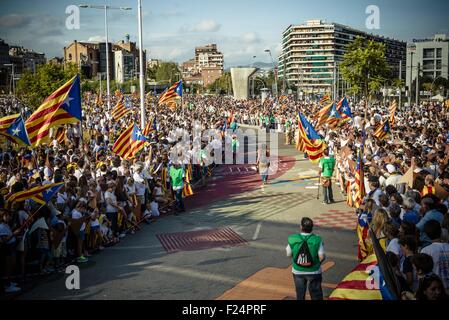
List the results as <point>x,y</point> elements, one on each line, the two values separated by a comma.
<point>312,187</point>
<point>256,234</point>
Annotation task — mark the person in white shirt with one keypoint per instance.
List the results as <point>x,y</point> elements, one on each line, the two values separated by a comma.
<point>438,250</point>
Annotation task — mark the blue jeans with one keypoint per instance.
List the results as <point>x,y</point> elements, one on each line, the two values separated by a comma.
<point>314,282</point>
<point>179,201</point>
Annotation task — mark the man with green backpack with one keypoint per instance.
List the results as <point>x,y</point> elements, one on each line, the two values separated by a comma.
<point>307,252</point>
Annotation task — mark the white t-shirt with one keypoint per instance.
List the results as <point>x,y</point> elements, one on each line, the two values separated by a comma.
<point>154,209</point>
<point>394,247</point>
<point>113,199</point>
<point>78,215</point>
<point>440,255</point>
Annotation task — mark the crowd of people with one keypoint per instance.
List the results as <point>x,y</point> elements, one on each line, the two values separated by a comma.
<point>104,198</point>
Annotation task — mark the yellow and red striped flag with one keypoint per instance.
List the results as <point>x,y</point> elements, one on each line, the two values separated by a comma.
<point>323,115</point>
<point>62,107</point>
<point>13,128</point>
<point>130,142</point>
<point>40,194</point>
<point>313,144</point>
<point>393,108</point>
<point>60,135</point>
<point>120,111</point>
<point>383,131</point>
<point>187,190</point>
<point>172,94</point>
<point>360,182</point>
<point>325,99</point>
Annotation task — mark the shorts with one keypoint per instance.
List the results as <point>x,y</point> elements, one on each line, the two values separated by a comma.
<point>94,229</point>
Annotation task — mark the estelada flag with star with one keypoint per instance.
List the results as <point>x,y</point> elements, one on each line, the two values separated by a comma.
<point>40,194</point>
<point>62,107</point>
<point>13,128</point>
<point>130,142</point>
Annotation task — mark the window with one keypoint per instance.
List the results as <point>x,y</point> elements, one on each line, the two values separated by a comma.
<point>439,52</point>
<point>438,65</point>
<point>70,56</point>
<point>429,53</point>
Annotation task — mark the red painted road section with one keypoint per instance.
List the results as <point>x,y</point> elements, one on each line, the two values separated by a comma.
<point>233,182</point>
<point>200,240</point>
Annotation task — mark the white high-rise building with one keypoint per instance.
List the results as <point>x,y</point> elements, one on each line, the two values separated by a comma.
<point>312,51</point>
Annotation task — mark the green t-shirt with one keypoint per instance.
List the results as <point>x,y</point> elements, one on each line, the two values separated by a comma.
<point>314,242</point>
<point>176,176</point>
<point>327,166</point>
<point>235,145</point>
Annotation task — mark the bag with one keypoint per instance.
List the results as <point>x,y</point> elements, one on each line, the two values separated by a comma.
<point>325,182</point>
<point>304,258</point>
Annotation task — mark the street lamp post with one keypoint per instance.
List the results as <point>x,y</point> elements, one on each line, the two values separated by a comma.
<point>274,70</point>
<point>106,8</point>
<point>13,77</point>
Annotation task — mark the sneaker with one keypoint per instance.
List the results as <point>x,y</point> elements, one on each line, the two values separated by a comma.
<point>12,289</point>
<point>82,259</point>
<point>100,248</point>
<point>122,235</point>
<point>324,202</point>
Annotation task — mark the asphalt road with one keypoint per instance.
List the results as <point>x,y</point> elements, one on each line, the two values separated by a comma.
<point>141,268</point>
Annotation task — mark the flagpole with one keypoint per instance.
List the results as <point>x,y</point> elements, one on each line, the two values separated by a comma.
<point>142,75</point>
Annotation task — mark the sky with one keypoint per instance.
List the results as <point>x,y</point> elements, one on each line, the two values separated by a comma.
<point>242,29</point>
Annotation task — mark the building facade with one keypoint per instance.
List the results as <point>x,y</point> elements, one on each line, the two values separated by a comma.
<point>85,55</point>
<point>91,57</point>
<point>208,56</point>
<point>210,74</point>
<point>4,69</point>
<point>124,66</point>
<point>312,51</point>
<point>432,57</point>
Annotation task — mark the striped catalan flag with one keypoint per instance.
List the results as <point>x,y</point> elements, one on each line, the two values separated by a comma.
<point>359,181</point>
<point>13,128</point>
<point>325,99</point>
<point>187,190</point>
<point>40,194</point>
<point>313,144</point>
<point>373,279</point>
<point>60,135</point>
<point>120,111</point>
<point>323,115</point>
<point>334,119</point>
<point>130,142</point>
<point>393,108</point>
<point>62,107</point>
<point>383,131</point>
<point>150,127</point>
<point>172,94</point>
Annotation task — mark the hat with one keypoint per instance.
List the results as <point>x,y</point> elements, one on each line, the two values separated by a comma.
<point>391,168</point>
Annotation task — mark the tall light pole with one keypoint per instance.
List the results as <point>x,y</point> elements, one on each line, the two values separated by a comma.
<point>13,77</point>
<point>274,70</point>
<point>106,8</point>
<point>252,78</point>
<point>411,50</point>
<point>142,74</point>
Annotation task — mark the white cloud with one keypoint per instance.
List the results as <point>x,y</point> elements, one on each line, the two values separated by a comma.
<point>251,37</point>
<point>208,26</point>
<point>203,26</point>
<point>97,39</point>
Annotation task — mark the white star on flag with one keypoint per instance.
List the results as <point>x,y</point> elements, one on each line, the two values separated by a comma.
<point>16,132</point>
<point>67,101</point>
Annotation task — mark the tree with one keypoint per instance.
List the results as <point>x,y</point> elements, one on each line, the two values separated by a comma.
<point>168,71</point>
<point>364,66</point>
<point>33,89</point>
<point>221,85</point>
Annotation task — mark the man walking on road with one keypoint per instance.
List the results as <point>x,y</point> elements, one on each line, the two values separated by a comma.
<point>177,177</point>
<point>307,252</point>
<point>327,166</point>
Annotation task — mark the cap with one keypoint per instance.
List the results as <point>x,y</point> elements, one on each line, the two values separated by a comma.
<point>391,168</point>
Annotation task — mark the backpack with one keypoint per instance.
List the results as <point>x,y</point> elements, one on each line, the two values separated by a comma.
<point>304,258</point>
